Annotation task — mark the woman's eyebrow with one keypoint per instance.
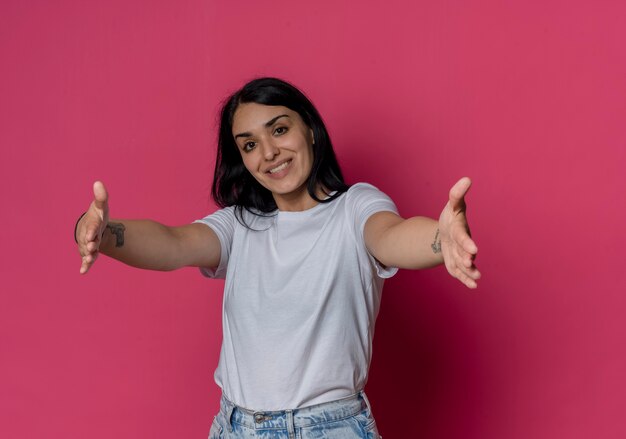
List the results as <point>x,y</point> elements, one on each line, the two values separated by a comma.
<point>269,123</point>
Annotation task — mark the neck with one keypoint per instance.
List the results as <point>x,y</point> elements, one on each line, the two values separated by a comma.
<point>299,201</point>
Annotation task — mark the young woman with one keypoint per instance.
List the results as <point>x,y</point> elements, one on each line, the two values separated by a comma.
<point>304,256</point>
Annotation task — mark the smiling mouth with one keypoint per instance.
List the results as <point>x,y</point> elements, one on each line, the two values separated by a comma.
<point>279,167</point>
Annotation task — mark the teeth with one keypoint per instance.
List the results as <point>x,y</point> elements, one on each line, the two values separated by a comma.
<point>279,168</point>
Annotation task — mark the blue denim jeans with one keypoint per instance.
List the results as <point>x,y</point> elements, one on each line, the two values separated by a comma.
<point>348,418</point>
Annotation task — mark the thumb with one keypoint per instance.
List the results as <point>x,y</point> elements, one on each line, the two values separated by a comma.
<point>100,195</point>
<point>458,192</point>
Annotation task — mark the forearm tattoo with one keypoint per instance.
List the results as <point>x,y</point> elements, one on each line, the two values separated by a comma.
<point>436,245</point>
<point>118,230</point>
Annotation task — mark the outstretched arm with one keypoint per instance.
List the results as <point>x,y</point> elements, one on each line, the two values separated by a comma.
<point>142,243</point>
<point>421,242</point>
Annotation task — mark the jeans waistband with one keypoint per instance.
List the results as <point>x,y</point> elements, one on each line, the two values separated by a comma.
<point>296,418</point>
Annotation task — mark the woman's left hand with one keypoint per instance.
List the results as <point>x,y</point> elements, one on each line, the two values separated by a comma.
<point>455,243</point>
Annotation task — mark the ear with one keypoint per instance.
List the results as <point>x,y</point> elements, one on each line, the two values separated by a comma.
<point>312,136</point>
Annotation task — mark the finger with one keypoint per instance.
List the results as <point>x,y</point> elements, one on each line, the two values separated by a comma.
<point>471,272</point>
<point>465,259</point>
<point>101,197</point>
<point>469,283</point>
<point>454,260</point>
<point>459,274</point>
<point>468,261</point>
<point>461,260</point>
<point>92,233</point>
<point>457,193</point>
<point>463,240</point>
<point>467,278</point>
<point>475,274</point>
<point>84,267</point>
<point>456,257</point>
<point>87,261</point>
<point>93,246</point>
<point>469,246</point>
<point>464,265</point>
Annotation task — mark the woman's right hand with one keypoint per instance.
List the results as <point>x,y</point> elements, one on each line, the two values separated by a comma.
<point>91,226</point>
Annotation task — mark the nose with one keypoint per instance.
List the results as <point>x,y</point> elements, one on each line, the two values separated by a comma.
<point>270,150</point>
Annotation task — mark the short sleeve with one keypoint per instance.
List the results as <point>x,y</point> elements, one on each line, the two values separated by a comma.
<point>363,200</point>
<point>222,222</point>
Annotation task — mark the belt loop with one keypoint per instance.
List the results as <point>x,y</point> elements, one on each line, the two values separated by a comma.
<point>229,414</point>
<point>367,402</point>
<point>290,425</point>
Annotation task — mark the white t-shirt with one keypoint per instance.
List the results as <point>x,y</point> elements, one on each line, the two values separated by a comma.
<point>300,300</point>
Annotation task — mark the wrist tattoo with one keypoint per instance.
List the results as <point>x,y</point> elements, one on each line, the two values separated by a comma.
<point>118,230</point>
<point>436,245</point>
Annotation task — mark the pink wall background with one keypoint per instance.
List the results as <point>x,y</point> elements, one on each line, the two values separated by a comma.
<point>527,98</point>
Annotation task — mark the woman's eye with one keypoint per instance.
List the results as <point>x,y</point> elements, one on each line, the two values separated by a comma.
<point>280,130</point>
<point>248,146</point>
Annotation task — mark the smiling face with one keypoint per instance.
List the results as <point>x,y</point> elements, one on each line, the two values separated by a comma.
<point>276,148</point>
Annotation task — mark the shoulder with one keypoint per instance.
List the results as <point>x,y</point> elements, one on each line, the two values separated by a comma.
<point>225,215</point>
<point>363,200</point>
<point>363,188</point>
<point>365,193</point>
